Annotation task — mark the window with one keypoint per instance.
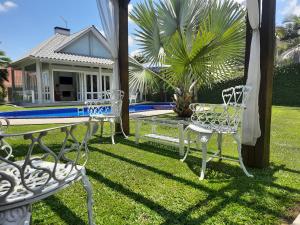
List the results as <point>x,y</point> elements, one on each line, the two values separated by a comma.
<point>105,83</point>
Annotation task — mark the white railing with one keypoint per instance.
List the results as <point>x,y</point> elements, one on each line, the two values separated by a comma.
<point>101,95</point>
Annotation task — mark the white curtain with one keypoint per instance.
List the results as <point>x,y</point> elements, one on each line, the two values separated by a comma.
<point>251,127</point>
<point>109,16</point>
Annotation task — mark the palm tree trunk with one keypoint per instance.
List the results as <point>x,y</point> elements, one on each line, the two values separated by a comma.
<point>183,102</point>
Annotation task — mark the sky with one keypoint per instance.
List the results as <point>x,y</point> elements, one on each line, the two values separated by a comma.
<point>26,23</point>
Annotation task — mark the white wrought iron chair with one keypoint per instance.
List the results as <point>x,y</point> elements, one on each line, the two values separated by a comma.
<point>208,119</point>
<point>44,170</point>
<point>108,108</point>
<point>133,98</point>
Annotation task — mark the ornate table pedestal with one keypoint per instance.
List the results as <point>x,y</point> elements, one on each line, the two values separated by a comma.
<point>16,216</point>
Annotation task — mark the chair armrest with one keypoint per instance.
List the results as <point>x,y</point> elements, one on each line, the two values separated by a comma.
<point>207,107</point>
<point>210,116</point>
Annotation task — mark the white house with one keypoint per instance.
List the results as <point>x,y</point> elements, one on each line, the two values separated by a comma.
<point>66,67</point>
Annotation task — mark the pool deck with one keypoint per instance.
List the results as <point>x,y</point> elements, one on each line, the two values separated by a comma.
<point>81,119</point>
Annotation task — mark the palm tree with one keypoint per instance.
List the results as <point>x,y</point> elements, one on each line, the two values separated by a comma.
<point>194,42</point>
<point>288,43</point>
<point>4,61</point>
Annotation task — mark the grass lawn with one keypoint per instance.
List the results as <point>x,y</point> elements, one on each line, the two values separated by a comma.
<point>147,184</point>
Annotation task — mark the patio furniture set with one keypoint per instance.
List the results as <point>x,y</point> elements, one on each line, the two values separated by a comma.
<point>47,169</point>
<point>206,120</point>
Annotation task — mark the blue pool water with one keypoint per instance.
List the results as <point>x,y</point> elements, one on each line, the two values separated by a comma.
<point>73,112</point>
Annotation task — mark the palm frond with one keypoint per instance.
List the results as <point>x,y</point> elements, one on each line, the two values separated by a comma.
<point>141,77</point>
<point>148,34</point>
<point>217,47</point>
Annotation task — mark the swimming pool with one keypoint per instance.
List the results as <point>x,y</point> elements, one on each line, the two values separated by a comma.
<point>74,112</point>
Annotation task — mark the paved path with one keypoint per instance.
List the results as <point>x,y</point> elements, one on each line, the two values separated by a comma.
<point>297,221</point>
<point>80,119</point>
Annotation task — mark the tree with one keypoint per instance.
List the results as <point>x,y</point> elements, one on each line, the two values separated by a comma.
<point>194,42</point>
<point>4,61</point>
<point>288,40</point>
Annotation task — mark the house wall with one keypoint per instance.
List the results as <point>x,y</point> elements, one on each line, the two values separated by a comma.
<point>8,84</point>
<point>87,45</point>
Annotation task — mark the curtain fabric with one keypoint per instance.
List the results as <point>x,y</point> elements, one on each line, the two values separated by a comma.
<point>251,127</point>
<point>109,16</point>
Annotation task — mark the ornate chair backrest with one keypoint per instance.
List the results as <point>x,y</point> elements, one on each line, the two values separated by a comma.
<point>116,102</point>
<point>222,118</point>
<point>235,105</point>
<point>46,160</point>
<point>228,96</point>
<point>110,104</point>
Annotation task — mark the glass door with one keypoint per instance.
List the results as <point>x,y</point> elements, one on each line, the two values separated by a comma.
<point>46,86</point>
<point>80,87</point>
<point>92,87</point>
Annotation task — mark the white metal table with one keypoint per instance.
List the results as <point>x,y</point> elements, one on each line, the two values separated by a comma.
<point>177,126</point>
<point>43,170</point>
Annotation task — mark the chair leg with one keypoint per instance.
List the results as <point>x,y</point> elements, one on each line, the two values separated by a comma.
<point>88,187</point>
<point>220,146</point>
<point>101,128</point>
<point>197,144</point>
<point>188,147</point>
<point>204,138</point>
<point>204,153</point>
<point>239,146</point>
<point>121,125</point>
<point>112,131</point>
<point>94,129</point>
<point>29,216</point>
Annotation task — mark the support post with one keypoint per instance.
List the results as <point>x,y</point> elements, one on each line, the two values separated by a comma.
<point>259,155</point>
<point>23,80</point>
<point>39,80</point>
<point>52,86</point>
<point>13,85</point>
<point>123,61</point>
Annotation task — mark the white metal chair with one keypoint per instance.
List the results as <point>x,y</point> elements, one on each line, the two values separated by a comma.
<point>44,170</point>
<point>208,119</point>
<point>108,108</point>
<point>133,98</point>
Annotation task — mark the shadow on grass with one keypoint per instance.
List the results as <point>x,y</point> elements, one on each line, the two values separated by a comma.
<point>127,192</point>
<point>65,213</point>
<point>194,163</point>
<point>238,185</point>
<point>216,171</point>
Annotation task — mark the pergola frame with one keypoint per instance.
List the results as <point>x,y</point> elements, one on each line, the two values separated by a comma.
<point>123,61</point>
<point>259,155</point>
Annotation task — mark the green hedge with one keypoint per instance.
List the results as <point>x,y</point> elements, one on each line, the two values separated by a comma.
<point>286,87</point>
<point>213,94</point>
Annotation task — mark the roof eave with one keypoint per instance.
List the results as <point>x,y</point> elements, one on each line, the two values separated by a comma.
<point>71,62</point>
<point>21,61</point>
